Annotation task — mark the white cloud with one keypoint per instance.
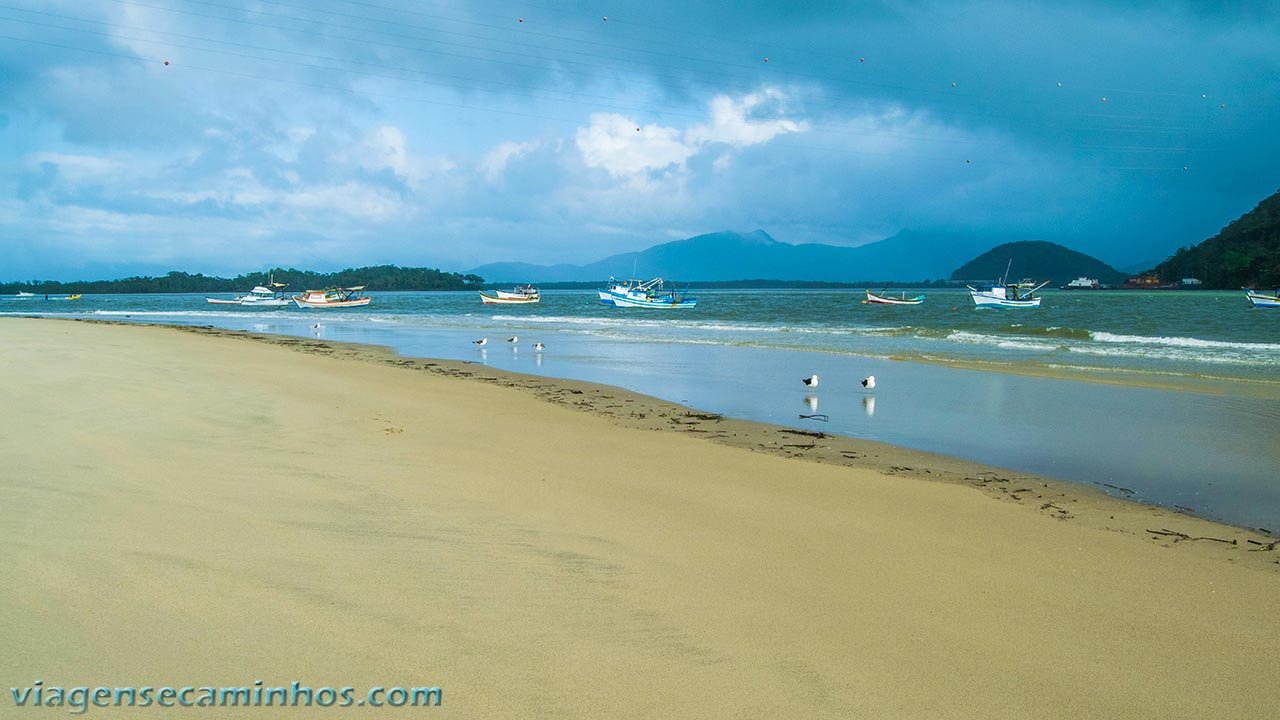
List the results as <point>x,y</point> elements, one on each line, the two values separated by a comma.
<point>736,122</point>
<point>76,168</point>
<point>494,163</point>
<point>624,148</point>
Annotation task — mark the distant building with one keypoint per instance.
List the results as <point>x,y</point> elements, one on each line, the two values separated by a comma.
<point>1143,281</point>
<point>1191,282</point>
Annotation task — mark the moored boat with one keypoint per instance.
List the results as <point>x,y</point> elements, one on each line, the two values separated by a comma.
<point>522,294</point>
<point>334,297</point>
<point>884,299</point>
<point>1005,296</point>
<point>1263,300</point>
<point>647,294</point>
<point>270,295</point>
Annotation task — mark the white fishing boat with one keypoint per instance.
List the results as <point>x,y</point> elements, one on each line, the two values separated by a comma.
<point>882,298</point>
<point>1263,300</point>
<point>522,294</point>
<point>647,294</point>
<point>270,295</point>
<point>24,295</point>
<point>335,297</point>
<point>1005,294</point>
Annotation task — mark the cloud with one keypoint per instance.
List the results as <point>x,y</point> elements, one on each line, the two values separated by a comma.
<point>494,163</point>
<point>626,149</point>
<point>738,122</point>
<point>623,148</point>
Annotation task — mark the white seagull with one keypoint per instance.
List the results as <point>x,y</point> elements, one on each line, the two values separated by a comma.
<point>481,342</point>
<point>513,339</point>
<point>810,382</point>
<point>538,346</point>
<point>869,382</point>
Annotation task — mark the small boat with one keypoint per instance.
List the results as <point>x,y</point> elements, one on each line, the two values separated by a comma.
<point>24,295</point>
<point>334,297</point>
<point>73,297</point>
<point>520,295</point>
<point>271,295</point>
<point>1262,300</point>
<point>1005,294</point>
<point>884,299</point>
<point>647,294</point>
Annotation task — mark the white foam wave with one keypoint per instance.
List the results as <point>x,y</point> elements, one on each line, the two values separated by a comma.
<point>1184,342</point>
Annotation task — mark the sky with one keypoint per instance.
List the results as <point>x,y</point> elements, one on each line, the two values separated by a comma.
<point>222,136</point>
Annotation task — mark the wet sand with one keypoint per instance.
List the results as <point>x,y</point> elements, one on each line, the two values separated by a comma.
<point>198,506</point>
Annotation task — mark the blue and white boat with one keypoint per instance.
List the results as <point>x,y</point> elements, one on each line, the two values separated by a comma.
<point>1262,299</point>
<point>648,294</point>
<point>1017,295</point>
<point>1005,294</point>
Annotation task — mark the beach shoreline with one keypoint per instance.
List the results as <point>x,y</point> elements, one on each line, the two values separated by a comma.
<point>1062,500</point>
<point>201,506</point>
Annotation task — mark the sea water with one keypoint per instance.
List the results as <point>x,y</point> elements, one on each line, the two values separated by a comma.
<point>1212,448</point>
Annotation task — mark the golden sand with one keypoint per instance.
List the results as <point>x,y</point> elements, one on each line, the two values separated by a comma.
<point>186,509</point>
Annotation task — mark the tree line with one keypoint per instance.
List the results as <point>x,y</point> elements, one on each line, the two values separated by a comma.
<point>380,277</point>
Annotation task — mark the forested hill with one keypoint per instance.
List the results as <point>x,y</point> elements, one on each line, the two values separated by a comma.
<point>381,277</point>
<point>1245,254</point>
<point>1038,260</point>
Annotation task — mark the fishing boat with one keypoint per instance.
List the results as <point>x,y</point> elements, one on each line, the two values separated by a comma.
<point>334,297</point>
<point>270,295</point>
<point>522,294</point>
<point>1262,299</point>
<point>646,294</point>
<point>1005,294</point>
<point>24,295</point>
<point>882,298</point>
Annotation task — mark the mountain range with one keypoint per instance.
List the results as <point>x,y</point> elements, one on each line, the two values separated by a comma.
<point>907,256</point>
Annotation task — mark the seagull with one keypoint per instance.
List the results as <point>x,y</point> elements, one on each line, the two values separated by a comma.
<point>513,339</point>
<point>538,346</point>
<point>316,326</point>
<point>869,382</point>
<point>481,342</point>
<point>811,382</point>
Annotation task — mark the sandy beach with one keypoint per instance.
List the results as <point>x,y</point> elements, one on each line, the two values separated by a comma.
<point>205,507</point>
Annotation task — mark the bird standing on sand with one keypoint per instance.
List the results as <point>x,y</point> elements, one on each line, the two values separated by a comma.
<point>513,339</point>
<point>869,382</point>
<point>481,342</point>
<point>538,346</point>
<point>811,382</point>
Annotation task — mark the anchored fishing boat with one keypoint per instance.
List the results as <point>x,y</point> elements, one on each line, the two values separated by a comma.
<point>1262,300</point>
<point>1006,294</point>
<point>648,294</point>
<point>270,295</point>
<point>334,297</point>
<point>884,299</point>
<point>522,294</point>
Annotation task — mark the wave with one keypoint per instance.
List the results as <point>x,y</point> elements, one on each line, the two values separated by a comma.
<point>1183,342</point>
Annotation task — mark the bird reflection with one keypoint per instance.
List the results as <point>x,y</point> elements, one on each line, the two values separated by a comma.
<point>537,359</point>
<point>869,405</point>
<point>811,402</point>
